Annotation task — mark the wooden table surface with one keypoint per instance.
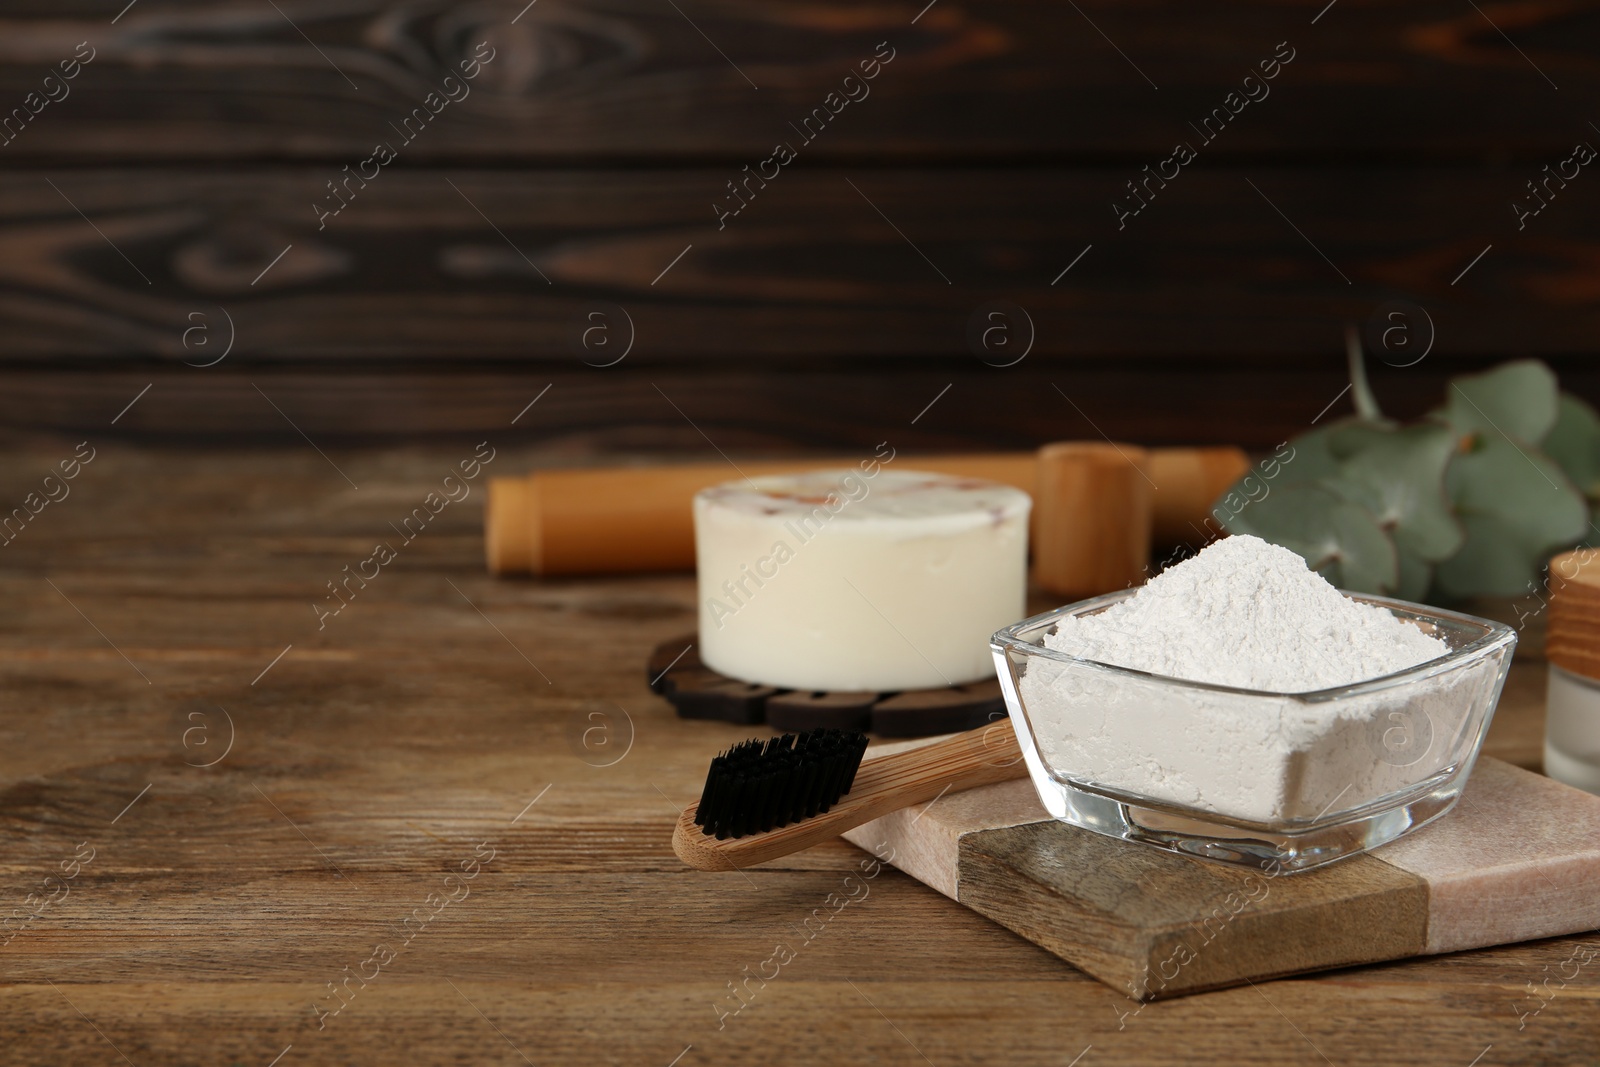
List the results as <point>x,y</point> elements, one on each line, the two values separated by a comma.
<point>484,757</point>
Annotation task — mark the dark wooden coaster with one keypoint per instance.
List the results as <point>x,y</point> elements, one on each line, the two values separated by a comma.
<point>921,712</point>
<point>796,711</point>
<point>697,692</point>
<point>682,653</point>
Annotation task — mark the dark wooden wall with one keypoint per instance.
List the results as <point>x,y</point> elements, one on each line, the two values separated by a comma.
<point>138,213</point>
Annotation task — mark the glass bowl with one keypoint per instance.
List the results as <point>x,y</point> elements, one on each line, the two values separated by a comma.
<point>1277,781</point>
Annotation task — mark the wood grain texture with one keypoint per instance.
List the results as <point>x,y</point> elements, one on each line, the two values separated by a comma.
<point>785,408</point>
<point>410,270</point>
<point>627,78</point>
<point>409,730</point>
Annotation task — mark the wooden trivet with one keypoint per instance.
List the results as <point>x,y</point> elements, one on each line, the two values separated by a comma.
<point>698,692</point>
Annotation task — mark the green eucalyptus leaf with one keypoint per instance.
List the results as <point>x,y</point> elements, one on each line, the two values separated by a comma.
<point>1516,398</point>
<point>1347,437</point>
<point>1416,575</point>
<point>1398,475</point>
<point>1516,505</point>
<point>1313,455</point>
<point>1304,459</point>
<point>1309,456</point>
<point>1494,561</point>
<point>1574,442</point>
<point>1336,537</point>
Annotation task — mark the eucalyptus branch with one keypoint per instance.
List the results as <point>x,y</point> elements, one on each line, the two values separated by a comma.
<point>1361,389</point>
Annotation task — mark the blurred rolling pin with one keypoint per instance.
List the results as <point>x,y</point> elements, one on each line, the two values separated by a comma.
<point>618,520</point>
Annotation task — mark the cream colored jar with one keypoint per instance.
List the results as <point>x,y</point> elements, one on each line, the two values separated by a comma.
<point>858,579</point>
<point>1572,647</point>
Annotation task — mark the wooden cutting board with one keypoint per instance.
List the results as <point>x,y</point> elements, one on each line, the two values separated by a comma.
<point>1518,858</point>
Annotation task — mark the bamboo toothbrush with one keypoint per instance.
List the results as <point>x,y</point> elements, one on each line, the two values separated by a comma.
<point>767,799</point>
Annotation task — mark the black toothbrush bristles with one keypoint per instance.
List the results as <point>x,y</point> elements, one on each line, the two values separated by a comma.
<point>758,785</point>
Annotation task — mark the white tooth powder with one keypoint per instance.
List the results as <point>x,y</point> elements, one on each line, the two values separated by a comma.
<point>1251,615</point>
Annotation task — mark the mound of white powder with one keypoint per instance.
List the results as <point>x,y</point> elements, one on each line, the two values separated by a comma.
<point>1250,614</point>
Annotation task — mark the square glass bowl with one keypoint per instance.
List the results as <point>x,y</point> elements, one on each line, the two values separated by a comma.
<point>1277,781</point>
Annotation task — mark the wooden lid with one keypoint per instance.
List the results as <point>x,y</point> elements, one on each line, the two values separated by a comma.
<point>1573,638</point>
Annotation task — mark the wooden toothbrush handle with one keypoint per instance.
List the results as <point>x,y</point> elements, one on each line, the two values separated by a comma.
<point>883,784</point>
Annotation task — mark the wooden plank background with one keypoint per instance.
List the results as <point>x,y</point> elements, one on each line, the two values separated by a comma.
<point>645,83</point>
<point>144,212</point>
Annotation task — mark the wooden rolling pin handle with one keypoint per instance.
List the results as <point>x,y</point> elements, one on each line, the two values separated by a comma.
<point>511,527</point>
<point>883,784</point>
<point>629,519</point>
<point>1188,482</point>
